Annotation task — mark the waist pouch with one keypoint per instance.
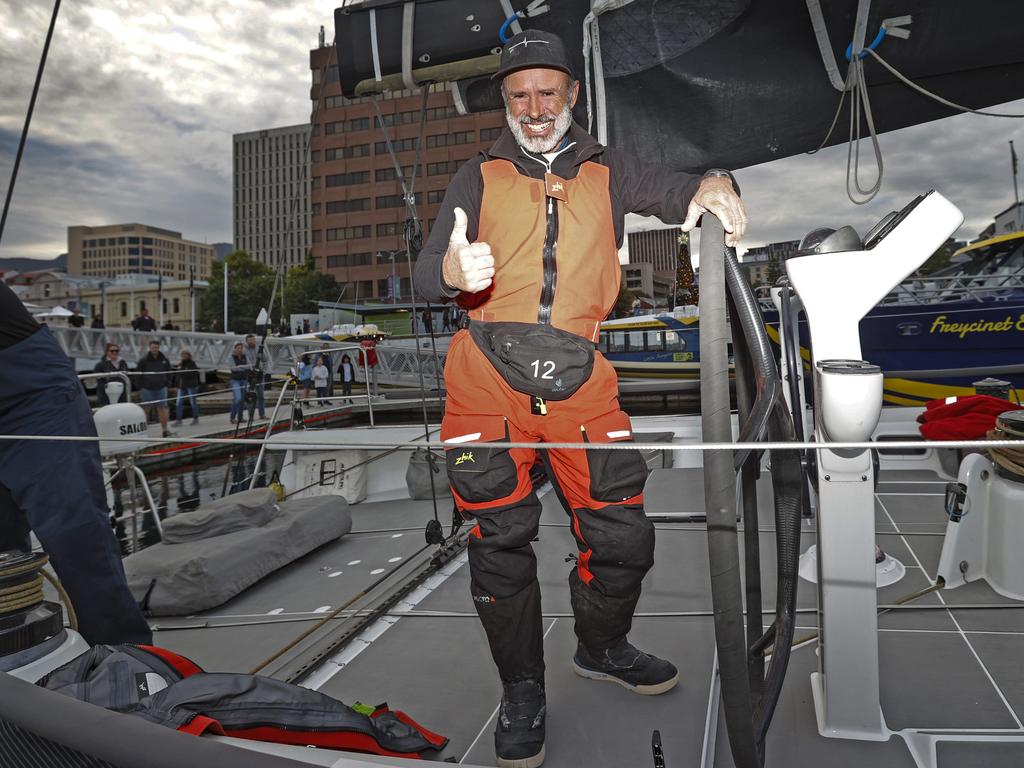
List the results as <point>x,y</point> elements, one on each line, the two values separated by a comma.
<point>537,360</point>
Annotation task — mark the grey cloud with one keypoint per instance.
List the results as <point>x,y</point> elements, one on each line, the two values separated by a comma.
<point>136,125</point>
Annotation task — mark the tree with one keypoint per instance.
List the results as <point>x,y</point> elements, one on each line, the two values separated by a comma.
<point>940,258</point>
<point>304,286</point>
<point>249,287</point>
<point>687,291</point>
<point>775,270</point>
<point>624,303</point>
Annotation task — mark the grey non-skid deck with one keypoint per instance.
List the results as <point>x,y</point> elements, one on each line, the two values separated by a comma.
<point>941,667</point>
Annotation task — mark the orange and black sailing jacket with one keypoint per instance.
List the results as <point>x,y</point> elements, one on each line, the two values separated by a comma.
<point>554,232</point>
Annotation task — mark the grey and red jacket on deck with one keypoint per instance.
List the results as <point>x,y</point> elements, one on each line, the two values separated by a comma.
<point>555,259</point>
<point>170,690</point>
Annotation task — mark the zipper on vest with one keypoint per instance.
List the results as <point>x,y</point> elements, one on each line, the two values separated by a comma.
<point>547,291</point>
<point>550,277</point>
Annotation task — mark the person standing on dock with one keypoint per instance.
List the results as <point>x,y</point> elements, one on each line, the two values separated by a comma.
<point>155,369</point>
<point>111,362</point>
<point>368,358</point>
<point>304,371</point>
<point>188,386</point>
<point>526,240</point>
<point>328,362</point>
<point>239,376</point>
<point>346,375</point>
<point>321,375</point>
<point>252,351</point>
<point>54,488</point>
<point>144,322</point>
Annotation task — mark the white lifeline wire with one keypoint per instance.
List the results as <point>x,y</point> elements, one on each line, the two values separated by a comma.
<point>320,444</point>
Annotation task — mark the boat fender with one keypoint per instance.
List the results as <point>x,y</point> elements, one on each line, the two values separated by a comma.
<point>277,487</point>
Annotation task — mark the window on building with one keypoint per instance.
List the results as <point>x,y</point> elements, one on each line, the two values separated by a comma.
<point>389,201</point>
<point>389,173</point>
<point>450,139</point>
<point>350,260</point>
<point>489,134</point>
<point>349,206</point>
<point>389,228</point>
<point>124,309</point>
<point>441,113</point>
<point>347,153</point>
<point>399,145</point>
<point>435,196</point>
<point>348,233</point>
<point>133,241</point>
<point>177,303</point>
<point>347,179</point>
<point>444,168</point>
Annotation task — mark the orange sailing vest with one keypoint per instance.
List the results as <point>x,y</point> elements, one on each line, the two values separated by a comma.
<point>513,221</point>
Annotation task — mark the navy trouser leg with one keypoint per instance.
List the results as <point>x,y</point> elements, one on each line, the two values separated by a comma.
<point>57,487</point>
<point>14,530</point>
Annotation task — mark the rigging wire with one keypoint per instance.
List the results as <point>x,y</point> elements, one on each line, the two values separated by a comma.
<point>28,118</point>
<point>413,236</point>
<point>860,103</point>
<point>256,375</point>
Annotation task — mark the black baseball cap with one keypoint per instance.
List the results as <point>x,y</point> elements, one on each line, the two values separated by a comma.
<point>533,49</point>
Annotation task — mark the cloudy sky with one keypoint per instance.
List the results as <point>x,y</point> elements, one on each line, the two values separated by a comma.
<point>139,101</point>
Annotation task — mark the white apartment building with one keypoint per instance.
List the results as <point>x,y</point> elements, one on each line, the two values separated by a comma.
<point>271,194</point>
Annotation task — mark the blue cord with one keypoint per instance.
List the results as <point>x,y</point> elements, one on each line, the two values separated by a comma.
<point>863,53</point>
<point>503,32</point>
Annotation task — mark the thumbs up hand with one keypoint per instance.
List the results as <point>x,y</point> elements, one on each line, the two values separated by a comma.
<point>466,266</point>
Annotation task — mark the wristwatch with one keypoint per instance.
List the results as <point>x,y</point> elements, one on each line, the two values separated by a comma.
<point>722,173</point>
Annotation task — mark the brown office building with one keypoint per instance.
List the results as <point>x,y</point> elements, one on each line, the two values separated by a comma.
<point>122,249</point>
<point>358,212</point>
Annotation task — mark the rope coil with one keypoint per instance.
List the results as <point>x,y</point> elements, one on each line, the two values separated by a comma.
<point>21,583</point>
<point>1010,458</point>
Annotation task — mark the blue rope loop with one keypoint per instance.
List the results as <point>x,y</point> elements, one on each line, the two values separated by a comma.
<point>503,34</point>
<point>863,53</point>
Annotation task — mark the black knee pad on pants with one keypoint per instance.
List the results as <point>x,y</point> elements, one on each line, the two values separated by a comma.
<point>505,591</point>
<point>620,542</point>
<point>501,559</point>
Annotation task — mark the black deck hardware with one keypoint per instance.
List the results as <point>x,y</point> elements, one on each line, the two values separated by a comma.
<point>659,753</point>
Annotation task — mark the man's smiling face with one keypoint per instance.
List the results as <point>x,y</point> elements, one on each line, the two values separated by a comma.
<point>538,106</point>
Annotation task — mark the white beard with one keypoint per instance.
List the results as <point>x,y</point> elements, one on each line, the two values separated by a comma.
<point>540,144</point>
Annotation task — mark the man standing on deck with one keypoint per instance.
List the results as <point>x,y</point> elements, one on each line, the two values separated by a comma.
<point>55,488</point>
<point>251,355</point>
<point>155,369</point>
<point>526,240</point>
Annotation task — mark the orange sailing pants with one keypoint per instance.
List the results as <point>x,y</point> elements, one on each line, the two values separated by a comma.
<point>601,490</point>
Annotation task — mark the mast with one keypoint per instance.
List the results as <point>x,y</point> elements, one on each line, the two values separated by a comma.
<point>1016,196</point>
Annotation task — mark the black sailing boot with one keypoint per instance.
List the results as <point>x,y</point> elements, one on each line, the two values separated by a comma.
<point>629,667</point>
<point>519,735</point>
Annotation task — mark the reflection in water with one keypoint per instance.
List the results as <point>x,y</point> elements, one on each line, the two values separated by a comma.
<point>182,489</point>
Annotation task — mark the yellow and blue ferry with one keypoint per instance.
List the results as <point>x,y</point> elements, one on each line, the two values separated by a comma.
<point>933,336</point>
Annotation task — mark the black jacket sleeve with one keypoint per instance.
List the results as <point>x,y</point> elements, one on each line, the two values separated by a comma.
<point>466,192</point>
<point>650,190</point>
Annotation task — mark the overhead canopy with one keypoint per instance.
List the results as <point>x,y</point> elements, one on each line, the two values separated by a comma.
<point>704,83</point>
